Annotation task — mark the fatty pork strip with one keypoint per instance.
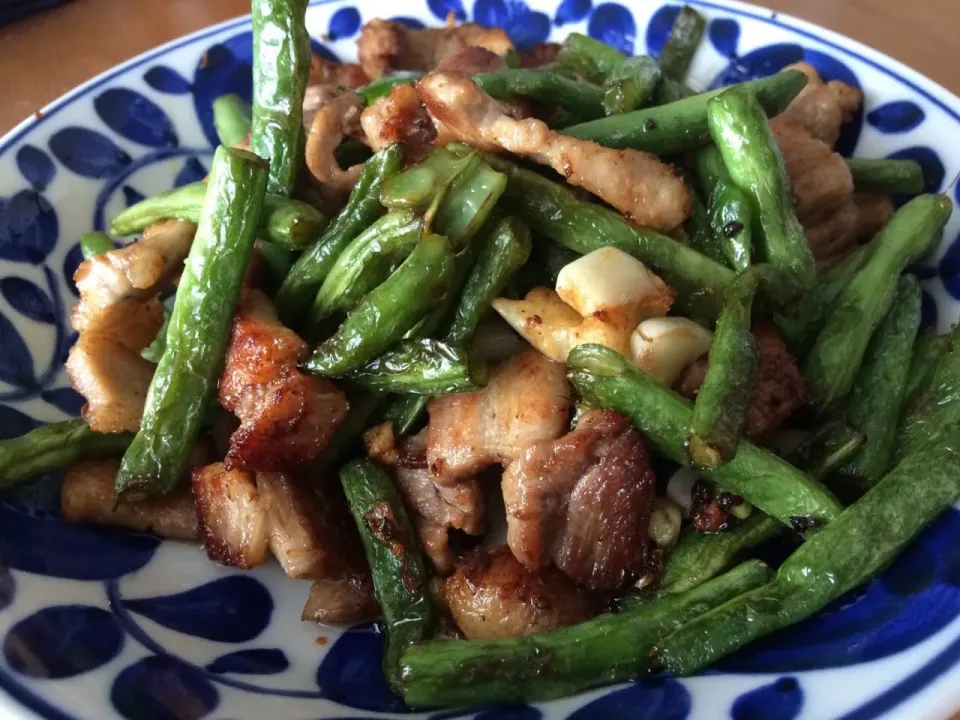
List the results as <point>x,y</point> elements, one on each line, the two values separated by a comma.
<point>118,315</point>
<point>338,118</point>
<point>435,509</point>
<point>400,117</point>
<point>492,595</point>
<point>384,45</point>
<point>286,417</point>
<point>822,107</point>
<point>858,220</point>
<point>327,80</point>
<point>779,392</point>
<point>638,184</point>
<point>527,400</point>
<point>583,503</point>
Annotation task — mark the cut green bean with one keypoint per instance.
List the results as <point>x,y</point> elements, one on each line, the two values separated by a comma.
<point>396,564</point>
<point>591,59</point>
<point>930,347</point>
<point>583,100</point>
<point>231,119</point>
<point>670,90</point>
<point>631,86</point>
<point>886,176</point>
<point>728,208</point>
<point>417,187</point>
<point>833,362</point>
<point>682,125</point>
<point>277,262</point>
<point>382,86</point>
<point>281,65</point>
<point>826,449</point>
<point>700,231</point>
<point>677,53</point>
<point>186,378</point>
<point>423,367</point>
<point>95,243</point>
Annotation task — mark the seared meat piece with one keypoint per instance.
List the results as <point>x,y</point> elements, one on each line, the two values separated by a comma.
<point>780,390</point>
<point>492,595</point>
<point>526,400</point>
<point>287,418</point>
<point>327,72</point>
<point>539,55</point>
<point>836,234</point>
<point>118,315</point>
<point>86,496</point>
<point>234,522</point>
<point>583,502</point>
<point>384,45</point>
<point>333,121</point>
<point>873,212</point>
<point>471,61</point>
<point>401,118</point>
<point>343,600</point>
<point>638,184</point>
<point>822,107</point>
<point>706,513</point>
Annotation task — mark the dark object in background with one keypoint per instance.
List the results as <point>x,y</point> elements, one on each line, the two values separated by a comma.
<point>11,10</point>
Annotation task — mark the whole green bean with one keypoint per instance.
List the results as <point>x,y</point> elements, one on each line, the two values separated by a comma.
<point>232,119</point>
<point>54,446</point>
<point>872,175</point>
<point>547,665</point>
<point>728,208</point>
<point>607,380</point>
<point>423,367</point>
<point>396,564</point>
<point>291,224</point>
<point>850,551</point>
<point>739,127</point>
<point>927,352</point>
<point>876,399</point>
<point>95,243</point>
<point>388,312</point>
<point>281,64</point>
<point>584,100</point>
<point>832,364</point>
<point>720,410</point>
<point>187,375</point>
<point>297,292</point>
<point>682,125</point>
<point>382,86</point>
<point>631,86</point>
<point>678,51</point>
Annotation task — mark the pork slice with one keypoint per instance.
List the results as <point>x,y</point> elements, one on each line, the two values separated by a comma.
<point>342,600</point>
<point>822,107</point>
<point>234,521</point>
<point>400,117</point>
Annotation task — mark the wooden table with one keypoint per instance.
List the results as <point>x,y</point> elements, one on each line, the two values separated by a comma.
<point>45,55</point>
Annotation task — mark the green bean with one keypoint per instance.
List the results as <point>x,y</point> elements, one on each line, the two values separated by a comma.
<point>631,86</point>
<point>739,127</point>
<point>297,292</point>
<point>350,153</point>
<point>669,90</point>
<point>154,351</point>
<point>187,375</point>
<point>547,665</point>
<point>591,59</point>
<point>382,86</point>
<point>417,187</point>
<point>554,211</point>
<point>728,208</point>
<point>720,410</point>
<point>701,233</point>
<point>927,352</point>
<point>606,379</point>
<point>423,367</point>
<point>678,51</point>
<point>388,312</point>
<point>291,224</point>
<point>396,564</point>
<point>281,64</point>
<point>886,176</point>
<point>231,118</point>
<point>51,447</point>
<point>467,204</point>
<point>826,449</point>
<point>366,262</point>
<point>278,262</point>
<point>682,125</point>
<point>95,243</point>
<point>850,551</point>
<point>833,362</point>
<point>877,396</point>
<point>583,100</point>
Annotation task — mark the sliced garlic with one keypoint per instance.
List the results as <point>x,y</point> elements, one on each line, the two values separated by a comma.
<point>663,347</point>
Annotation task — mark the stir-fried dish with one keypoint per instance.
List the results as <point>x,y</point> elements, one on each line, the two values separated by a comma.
<point>501,349</point>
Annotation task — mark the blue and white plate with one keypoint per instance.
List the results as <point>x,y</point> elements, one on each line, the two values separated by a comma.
<point>99,624</point>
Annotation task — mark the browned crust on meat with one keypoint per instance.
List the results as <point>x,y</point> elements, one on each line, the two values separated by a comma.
<point>472,60</point>
<point>327,72</point>
<point>401,118</point>
<point>342,600</point>
<point>233,518</point>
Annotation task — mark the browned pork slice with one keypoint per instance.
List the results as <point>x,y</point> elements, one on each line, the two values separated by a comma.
<point>822,107</point>
<point>400,117</point>
<point>345,599</point>
<point>638,184</point>
<point>583,502</point>
<point>527,400</point>
<point>780,390</point>
<point>472,60</point>
<point>118,315</point>
<point>86,496</point>
<point>234,522</point>
<point>286,417</point>
<point>334,120</point>
<point>385,45</point>
<point>492,595</point>
<point>327,80</point>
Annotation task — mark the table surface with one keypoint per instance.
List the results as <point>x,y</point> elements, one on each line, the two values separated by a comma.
<point>90,36</point>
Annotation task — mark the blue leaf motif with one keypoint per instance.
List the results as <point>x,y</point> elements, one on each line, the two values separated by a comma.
<point>782,700</point>
<point>66,399</point>
<point>166,80</point>
<point>613,24</point>
<point>344,23</point>
<point>896,117</point>
<point>192,171</point>
<point>654,698</point>
<point>163,688</point>
<point>63,641</point>
<point>233,609</point>
<point>87,152</point>
<point>8,588</point>
<point>131,196</point>
<point>224,68</point>
<point>71,262</point>
<point>29,227</point>
<point>409,22</point>
<point>130,114</point>
<point>323,51</point>
<point>27,299</point>
<point>16,363</point>
<point>442,8</point>
<point>351,673</point>
<point>256,661</point>
<point>658,29</point>
<point>572,11</point>
<point>724,34</point>
<point>14,423</point>
<point>36,166</point>
<point>525,27</point>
